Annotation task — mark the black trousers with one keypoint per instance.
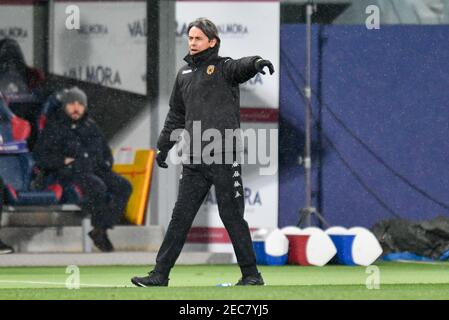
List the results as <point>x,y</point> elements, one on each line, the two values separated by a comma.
<point>194,185</point>
<point>105,197</point>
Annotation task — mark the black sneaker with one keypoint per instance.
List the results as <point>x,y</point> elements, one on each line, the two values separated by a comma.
<point>4,248</point>
<point>254,280</point>
<point>154,279</point>
<point>101,240</point>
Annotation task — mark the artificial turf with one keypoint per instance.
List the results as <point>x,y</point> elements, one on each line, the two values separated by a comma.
<point>397,281</point>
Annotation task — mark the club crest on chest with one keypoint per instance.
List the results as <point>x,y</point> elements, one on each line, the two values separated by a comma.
<point>210,69</point>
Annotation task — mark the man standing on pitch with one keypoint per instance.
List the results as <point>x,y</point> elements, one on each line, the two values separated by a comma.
<point>206,91</point>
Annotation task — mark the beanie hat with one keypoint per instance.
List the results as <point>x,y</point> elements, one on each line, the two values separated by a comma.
<point>72,95</point>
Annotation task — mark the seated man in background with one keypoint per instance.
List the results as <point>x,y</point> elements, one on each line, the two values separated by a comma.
<point>4,248</point>
<point>72,148</point>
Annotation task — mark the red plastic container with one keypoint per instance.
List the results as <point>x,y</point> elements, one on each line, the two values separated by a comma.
<point>297,249</point>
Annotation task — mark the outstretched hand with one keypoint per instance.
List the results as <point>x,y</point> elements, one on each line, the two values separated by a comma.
<point>160,159</point>
<point>261,63</point>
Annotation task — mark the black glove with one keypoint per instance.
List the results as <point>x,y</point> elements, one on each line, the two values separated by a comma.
<point>160,159</point>
<point>261,63</point>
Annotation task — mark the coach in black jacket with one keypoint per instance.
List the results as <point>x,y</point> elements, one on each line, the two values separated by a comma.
<point>72,148</point>
<point>206,94</point>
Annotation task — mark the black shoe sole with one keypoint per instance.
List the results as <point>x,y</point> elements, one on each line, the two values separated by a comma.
<point>138,284</point>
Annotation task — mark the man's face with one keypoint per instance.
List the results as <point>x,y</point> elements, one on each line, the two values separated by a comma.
<point>75,110</point>
<point>199,42</point>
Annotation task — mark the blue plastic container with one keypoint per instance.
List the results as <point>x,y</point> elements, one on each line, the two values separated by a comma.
<point>276,261</point>
<point>343,243</point>
<point>259,249</point>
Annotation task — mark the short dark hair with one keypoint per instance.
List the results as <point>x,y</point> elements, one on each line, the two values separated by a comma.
<point>207,26</point>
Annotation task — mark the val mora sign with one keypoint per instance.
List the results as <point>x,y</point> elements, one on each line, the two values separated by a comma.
<point>16,22</point>
<point>108,48</point>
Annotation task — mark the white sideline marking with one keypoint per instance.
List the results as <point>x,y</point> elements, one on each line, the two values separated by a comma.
<point>60,283</point>
<point>422,262</point>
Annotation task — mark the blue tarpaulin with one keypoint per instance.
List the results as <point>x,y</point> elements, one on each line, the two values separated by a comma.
<point>385,122</point>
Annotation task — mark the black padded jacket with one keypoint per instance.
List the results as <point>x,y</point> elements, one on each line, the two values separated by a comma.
<point>207,90</point>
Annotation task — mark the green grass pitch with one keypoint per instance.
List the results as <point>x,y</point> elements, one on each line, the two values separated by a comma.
<point>397,281</point>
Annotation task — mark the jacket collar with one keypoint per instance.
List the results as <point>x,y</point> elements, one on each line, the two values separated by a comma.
<point>202,57</point>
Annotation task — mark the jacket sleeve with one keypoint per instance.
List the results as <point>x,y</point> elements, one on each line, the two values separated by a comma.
<point>46,152</point>
<point>240,70</point>
<point>175,118</point>
<point>106,153</point>
<point>102,156</point>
